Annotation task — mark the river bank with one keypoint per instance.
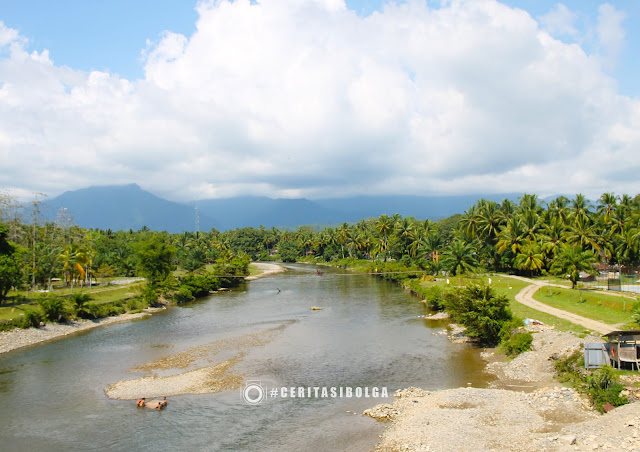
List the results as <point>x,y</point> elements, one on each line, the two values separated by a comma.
<point>266,269</point>
<point>18,338</point>
<point>525,409</point>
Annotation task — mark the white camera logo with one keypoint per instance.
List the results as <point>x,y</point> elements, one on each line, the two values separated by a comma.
<point>253,392</point>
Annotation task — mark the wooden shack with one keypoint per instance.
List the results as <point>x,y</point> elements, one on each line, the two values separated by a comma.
<point>623,348</point>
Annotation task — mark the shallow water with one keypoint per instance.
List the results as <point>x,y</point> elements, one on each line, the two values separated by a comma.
<point>368,334</point>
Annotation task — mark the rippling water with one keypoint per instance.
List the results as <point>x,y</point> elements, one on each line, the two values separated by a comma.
<point>368,334</point>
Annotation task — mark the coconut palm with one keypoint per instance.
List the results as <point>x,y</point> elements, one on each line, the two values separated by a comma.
<point>530,258</point>
<point>571,260</point>
<point>460,257</point>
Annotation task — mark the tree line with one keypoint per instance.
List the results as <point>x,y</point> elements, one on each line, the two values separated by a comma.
<point>530,237</point>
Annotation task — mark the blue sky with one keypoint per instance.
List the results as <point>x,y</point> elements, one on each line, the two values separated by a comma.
<point>309,98</point>
<point>110,35</point>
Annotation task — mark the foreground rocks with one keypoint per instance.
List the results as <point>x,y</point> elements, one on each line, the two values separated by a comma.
<point>524,410</point>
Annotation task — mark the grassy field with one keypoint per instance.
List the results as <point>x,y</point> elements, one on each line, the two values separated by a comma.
<point>591,304</point>
<point>510,287</point>
<point>16,304</point>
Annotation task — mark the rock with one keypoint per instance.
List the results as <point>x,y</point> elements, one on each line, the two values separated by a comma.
<point>568,439</point>
<point>607,407</point>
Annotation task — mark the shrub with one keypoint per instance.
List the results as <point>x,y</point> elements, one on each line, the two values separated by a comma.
<point>53,309</point>
<point>433,298</point>
<point>517,343</point>
<point>183,295</point>
<point>480,310</point>
<point>79,300</point>
<point>601,386</point>
<point>604,388</point>
<point>31,318</point>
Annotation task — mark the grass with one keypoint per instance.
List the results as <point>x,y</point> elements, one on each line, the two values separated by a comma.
<point>510,287</point>
<point>253,270</point>
<point>594,305</point>
<point>15,304</point>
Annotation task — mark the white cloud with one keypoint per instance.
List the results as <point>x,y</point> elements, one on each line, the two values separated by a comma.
<point>306,98</point>
<point>610,32</point>
<point>560,21</point>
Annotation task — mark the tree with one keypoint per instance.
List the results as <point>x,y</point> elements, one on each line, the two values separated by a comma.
<point>460,257</point>
<point>530,258</point>
<point>154,259</point>
<point>571,260</point>
<point>480,310</point>
<point>9,269</point>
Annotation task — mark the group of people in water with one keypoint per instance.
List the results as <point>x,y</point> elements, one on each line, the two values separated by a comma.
<point>160,404</point>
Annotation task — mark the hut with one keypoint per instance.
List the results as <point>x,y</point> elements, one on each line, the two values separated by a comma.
<point>623,348</point>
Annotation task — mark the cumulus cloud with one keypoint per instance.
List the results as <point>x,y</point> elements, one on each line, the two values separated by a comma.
<point>306,98</point>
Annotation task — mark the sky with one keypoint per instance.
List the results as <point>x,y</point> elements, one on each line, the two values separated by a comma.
<point>320,98</point>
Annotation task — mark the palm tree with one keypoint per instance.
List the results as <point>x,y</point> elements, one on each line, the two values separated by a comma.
<point>581,232</point>
<point>511,236</point>
<point>383,226</point>
<point>581,208</point>
<point>460,257</point>
<point>530,258</point>
<point>490,219</point>
<point>469,223</point>
<point>607,205</point>
<point>571,260</point>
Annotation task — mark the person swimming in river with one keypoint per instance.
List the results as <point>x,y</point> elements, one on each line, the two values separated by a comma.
<point>141,402</point>
<point>164,401</point>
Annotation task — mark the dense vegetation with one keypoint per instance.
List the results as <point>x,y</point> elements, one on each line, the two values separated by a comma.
<point>564,237</point>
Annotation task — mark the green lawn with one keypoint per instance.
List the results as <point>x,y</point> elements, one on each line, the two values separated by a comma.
<point>510,287</point>
<point>14,306</point>
<point>594,305</point>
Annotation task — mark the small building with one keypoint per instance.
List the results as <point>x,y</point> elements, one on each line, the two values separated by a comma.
<point>622,347</point>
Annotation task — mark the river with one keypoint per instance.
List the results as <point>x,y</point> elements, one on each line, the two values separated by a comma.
<point>368,334</point>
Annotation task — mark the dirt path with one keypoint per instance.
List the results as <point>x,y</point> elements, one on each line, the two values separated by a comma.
<point>525,296</point>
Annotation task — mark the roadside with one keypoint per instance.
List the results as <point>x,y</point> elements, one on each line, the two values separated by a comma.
<point>525,296</point>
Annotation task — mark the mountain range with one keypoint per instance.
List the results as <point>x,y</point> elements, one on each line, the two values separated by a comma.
<point>124,207</point>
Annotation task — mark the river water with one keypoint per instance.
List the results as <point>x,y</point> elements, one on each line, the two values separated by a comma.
<point>368,334</point>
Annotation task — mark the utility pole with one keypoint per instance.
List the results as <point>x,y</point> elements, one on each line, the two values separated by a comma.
<point>197,222</point>
<point>36,213</point>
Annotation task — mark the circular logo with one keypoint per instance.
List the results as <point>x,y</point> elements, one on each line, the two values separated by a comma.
<point>253,393</point>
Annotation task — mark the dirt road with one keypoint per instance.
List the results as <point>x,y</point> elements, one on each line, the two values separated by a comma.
<point>525,296</point>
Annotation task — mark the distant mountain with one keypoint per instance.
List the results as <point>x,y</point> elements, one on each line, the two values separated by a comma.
<point>127,207</point>
<point>123,207</point>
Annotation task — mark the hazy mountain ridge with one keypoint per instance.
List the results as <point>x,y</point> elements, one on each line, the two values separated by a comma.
<point>124,207</point>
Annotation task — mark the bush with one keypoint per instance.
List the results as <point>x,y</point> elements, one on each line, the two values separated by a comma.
<point>30,318</point>
<point>604,388</point>
<point>196,286</point>
<point>480,310</point>
<point>433,298</point>
<point>601,386</point>
<point>53,309</point>
<point>517,343</point>
<point>183,295</point>
<point>79,300</point>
